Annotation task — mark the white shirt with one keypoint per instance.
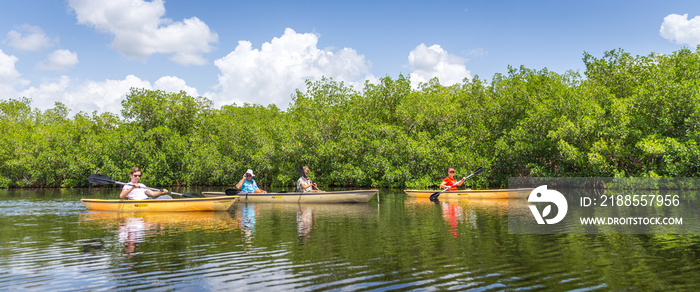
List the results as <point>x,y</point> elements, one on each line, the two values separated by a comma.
<point>137,193</point>
<point>305,181</point>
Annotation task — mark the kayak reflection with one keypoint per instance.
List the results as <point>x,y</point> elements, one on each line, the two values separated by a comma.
<point>135,228</point>
<point>306,215</point>
<point>456,211</point>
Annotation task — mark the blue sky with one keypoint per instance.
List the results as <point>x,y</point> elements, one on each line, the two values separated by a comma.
<point>87,54</point>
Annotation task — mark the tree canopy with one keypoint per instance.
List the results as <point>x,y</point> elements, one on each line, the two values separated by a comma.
<point>629,116</point>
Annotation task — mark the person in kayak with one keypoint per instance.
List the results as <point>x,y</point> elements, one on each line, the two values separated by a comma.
<point>248,185</point>
<point>136,191</point>
<point>449,181</point>
<point>305,185</point>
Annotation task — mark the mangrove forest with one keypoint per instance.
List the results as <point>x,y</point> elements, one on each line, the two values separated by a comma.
<point>623,116</point>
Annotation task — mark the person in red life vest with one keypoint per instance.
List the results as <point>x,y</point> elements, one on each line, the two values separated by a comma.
<point>450,182</point>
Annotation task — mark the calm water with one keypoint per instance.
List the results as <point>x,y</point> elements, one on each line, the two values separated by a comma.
<point>50,242</point>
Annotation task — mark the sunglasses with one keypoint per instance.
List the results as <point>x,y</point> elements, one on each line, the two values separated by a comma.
<point>452,172</point>
<point>136,175</point>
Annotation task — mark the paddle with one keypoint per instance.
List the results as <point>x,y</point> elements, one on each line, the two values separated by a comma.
<point>101,179</point>
<point>434,196</point>
<point>303,173</point>
<point>231,192</point>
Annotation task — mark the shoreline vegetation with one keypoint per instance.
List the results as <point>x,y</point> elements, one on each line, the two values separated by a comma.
<point>626,116</point>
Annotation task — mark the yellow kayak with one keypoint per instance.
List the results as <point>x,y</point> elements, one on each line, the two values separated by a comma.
<point>174,205</point>
<point>474,194</point>
<point>182,220</point>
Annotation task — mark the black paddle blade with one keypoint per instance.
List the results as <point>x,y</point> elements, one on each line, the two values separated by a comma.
<point>192,195</point>
<point>231,192</point>
<point>301,171</point>
<point>100,179</point>
<point>434,196</point>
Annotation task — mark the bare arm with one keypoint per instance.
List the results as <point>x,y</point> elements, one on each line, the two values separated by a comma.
<point>240,183</point>
<point>153,193</point>
<point>126,191</point>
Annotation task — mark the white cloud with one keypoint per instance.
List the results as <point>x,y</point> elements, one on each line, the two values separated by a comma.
<point>59,60</point>
<point>679,29</point>
<point>271,74</point>
<point>140,30</point>
<point>9,76</point>
<point>429,62</point>
<point>479,52</point>
<point>100,96</point>
<point>86,96</point>
<point>29,38</point>
<point>103,96</point>
<point>7,67</point>
<point>174,84</point>
<point>47,94</point>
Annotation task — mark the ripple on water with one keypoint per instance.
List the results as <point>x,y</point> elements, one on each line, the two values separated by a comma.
<point>395,247</point>
<point>42,207</point>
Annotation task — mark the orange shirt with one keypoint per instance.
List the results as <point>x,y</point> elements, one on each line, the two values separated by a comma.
<point>450,182</point>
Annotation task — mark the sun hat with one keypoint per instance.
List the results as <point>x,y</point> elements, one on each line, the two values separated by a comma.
<point>251,172</point>
<point>450,170</point>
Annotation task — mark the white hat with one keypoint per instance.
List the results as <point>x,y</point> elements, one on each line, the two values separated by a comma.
<point>251,172</point>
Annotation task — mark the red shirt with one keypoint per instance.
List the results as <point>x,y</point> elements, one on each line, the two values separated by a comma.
<point>450,182</point>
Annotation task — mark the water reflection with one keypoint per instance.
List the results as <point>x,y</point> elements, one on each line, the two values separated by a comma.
<point>398,244</point>
<point>131,231</point>
<point>134,228</point>
<point>456,211</point>
<point>305,221</point>
<point>247,213</point>
<point>306,215</point>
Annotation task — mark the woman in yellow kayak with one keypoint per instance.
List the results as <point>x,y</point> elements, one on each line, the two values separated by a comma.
<point>450,182</point>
